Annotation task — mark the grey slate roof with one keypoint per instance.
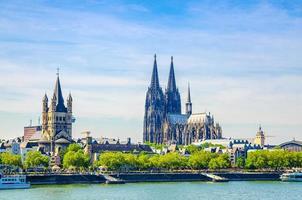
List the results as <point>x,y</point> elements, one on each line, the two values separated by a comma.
<point>295,142</point>
<point>98,148</point>
<point>177,119</point>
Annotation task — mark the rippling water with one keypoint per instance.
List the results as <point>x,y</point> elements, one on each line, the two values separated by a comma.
<point>189,190</point>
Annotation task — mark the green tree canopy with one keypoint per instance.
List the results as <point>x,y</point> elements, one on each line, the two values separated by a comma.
<point>200,159</point>
<point>10,159</point>
<point>220,162</point>
<point>73,147</point>
<point>275,159</point>
<point>172,161</point>
<point>35,159</point>
<point>75,157</point>
<point>112,160</point>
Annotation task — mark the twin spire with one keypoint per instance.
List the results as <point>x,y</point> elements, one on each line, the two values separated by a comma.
<point>172,99</point>
<point>171,80</point>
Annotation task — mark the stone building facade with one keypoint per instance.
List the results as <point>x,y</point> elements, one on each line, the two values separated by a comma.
<point>56,121</point>
<point>163,120</point>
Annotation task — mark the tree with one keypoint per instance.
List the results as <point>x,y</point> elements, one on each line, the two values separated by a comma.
<point>220,162</point>
<point>75,157</point>
<point>143,161</point>
<point>10,159</point>
<point>240,162</point>
<point>36,159</point>
<point>200,159</point>
<point>112,160</point>
<point>276,159</point>
<point>257,160</point>
<point>154,161</point>
<point>172,161</point>
<point>192,149</point>
<point>73,147</point>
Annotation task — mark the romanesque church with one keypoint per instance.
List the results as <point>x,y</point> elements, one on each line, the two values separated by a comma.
<point>164,122</point>
<point>56,121</point>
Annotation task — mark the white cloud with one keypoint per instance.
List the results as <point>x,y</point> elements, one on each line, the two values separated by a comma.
<point>243,66</point>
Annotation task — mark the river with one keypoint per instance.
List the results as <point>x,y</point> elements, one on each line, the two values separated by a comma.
<point>160,191</point>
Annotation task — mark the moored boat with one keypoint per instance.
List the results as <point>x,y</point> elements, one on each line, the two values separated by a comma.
<point>13,182</point>
<point>292,177</point>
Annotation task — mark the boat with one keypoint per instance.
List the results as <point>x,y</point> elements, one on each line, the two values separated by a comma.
<point>13,182</point>
<point>292,177</point>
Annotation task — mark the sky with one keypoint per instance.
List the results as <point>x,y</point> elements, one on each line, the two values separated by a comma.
<point>242,58</point>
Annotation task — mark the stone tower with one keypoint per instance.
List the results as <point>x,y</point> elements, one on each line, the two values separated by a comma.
<point>189,103</point>
<point>56,120</point>
<point>172,96</point>
<point>260,137</point>
<point>154,109</point>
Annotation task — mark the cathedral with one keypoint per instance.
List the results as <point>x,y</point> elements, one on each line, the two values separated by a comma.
<point>56,121</point>
<point>164,122</point>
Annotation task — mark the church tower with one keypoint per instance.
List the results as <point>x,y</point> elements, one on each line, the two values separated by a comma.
<point>154,109</point>
<point>56,120</point>
<point>189,103</point>
<point>260,137</point>
<point>173,102</point>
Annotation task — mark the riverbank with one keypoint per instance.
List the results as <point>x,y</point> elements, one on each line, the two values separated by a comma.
<point>149,177</point>
<point>184,177</point>
<point>48,179</point>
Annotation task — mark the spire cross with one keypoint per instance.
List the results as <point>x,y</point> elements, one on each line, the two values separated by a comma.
<point>58,71</point>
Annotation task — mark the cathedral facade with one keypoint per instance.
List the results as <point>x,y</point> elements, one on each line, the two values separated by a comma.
<point>56,121</point>
<point>164,122</point>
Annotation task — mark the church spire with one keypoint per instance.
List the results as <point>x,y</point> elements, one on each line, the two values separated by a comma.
<point>154,110</point>
<point>171,81</point>
<point>58,95</point>
<point>154,79</point>
<point>189,103</point>
<point>189,94</point>
<point>173,102</point>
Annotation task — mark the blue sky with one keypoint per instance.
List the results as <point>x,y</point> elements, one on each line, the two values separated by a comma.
<point>242,59</point>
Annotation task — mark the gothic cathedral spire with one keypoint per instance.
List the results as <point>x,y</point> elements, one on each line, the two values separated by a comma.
<point>173,102</point>
<point>154,110</point>
<point>154,78</point>
<point>171,81</point>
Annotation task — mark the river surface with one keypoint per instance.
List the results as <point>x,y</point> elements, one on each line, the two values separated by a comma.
<point>160,191</point>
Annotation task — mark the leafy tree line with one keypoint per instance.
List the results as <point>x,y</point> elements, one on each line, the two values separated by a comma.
<point>171,161</point>
<point>7,158</point>
<point>261,159</point>
<point>32,159</point>
<point>75,158</point>
<point>275,160</point>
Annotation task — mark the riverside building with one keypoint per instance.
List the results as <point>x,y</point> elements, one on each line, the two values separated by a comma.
<point>164,121</point>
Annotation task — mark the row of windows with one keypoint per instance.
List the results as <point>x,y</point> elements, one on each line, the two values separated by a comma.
<point>59,118</point>
<point>61,127</point>
<point>12,179</point>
